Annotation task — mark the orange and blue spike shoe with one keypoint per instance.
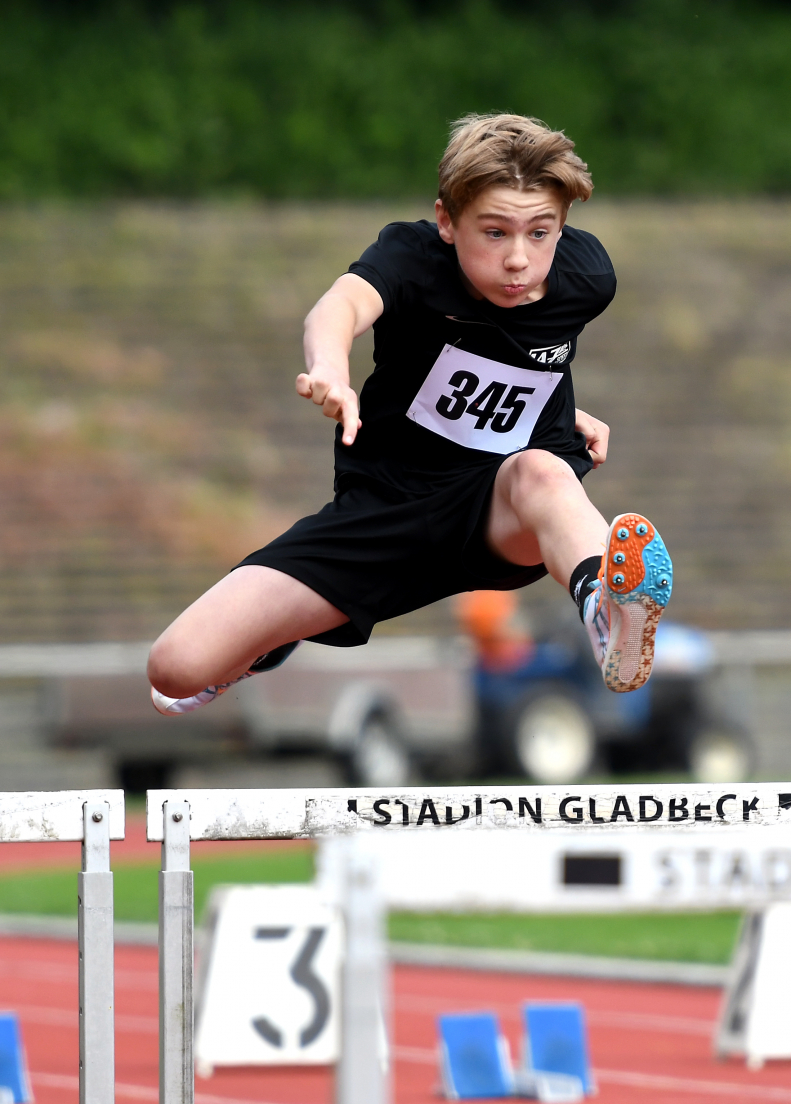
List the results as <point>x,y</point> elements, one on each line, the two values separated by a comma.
<point>173,707</point>
<point>621,614</point>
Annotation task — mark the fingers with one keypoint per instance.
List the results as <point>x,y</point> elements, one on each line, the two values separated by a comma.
<point>597,457</point>
<point>337,401</point>
<point>333,401</point>
<point>351,423</point>
<point>341,404</point>
<point>304,385</point>
<point>599,444</point>
<point>597,447</point>
<point>327,395</point>
<point>597,436</point>
<point>601,439</point>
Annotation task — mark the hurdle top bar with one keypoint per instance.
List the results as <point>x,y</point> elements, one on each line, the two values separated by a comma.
<point>306,814</point>
<point>50,815</point>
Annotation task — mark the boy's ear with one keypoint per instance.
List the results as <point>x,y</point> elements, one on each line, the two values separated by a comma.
<point>444,225</point>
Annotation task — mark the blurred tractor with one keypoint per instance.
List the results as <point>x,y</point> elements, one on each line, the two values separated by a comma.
<point>544,711</point>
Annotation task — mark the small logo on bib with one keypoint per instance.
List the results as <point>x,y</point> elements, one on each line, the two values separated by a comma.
<point>552,354</point>
<point>480,403</point>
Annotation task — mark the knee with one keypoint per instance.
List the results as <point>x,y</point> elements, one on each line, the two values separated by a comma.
<point>537,470</point>
<point>160,669</point>
<point>169,673</point>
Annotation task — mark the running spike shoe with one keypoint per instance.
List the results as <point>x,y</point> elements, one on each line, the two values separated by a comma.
<point>622,611</point>
<point>170,707</point>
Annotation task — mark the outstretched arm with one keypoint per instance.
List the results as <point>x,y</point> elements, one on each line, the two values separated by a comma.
<point>597,436</point>
<point>347,310</point>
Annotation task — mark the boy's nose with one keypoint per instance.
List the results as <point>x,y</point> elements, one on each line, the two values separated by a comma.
<point>517,259</point>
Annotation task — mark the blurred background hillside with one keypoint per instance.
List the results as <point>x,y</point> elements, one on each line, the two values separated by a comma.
<point>182,180</point>
<point>151,435</point>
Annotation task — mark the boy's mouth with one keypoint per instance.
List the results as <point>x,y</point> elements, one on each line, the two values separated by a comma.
<point>514,289</point>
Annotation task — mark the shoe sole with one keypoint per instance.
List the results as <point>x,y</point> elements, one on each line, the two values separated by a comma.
<point>158,700</point>
<point>169,711</point>
<point>639,580</point>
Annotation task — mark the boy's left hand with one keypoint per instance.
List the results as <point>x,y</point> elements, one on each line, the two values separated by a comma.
<point>597,436</point>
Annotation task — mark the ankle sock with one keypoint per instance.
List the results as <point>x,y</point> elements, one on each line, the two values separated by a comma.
<point>582,576</point>
<point>269,660</point>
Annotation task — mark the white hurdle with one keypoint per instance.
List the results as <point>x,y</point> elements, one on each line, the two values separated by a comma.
<point>176,817</point>
<point>94,817</point>
<point>176,961</point>
<point>364,1066</point>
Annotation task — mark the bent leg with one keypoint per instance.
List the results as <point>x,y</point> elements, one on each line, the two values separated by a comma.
<point>540,514</point>
<point>251,611</point>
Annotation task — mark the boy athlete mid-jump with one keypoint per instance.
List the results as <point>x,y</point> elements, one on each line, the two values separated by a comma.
<point>461,468</point>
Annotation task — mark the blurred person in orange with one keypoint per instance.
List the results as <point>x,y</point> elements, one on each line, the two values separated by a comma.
<point>491,618</point>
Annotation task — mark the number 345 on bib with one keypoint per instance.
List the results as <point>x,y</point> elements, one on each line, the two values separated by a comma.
<point>481,404</point>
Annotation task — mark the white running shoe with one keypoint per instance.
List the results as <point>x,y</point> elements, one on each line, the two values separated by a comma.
<point>622,611</point>
<point>172,707</point>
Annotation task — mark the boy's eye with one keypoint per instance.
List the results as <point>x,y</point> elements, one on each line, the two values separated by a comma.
<point>539,234</point>
<point>496,234</point>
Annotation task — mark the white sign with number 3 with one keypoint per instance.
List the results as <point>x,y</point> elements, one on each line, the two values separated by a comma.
<point>482,404</point>
<point>269,979</point>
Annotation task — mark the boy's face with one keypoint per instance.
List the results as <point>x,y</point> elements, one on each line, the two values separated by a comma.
<point>505,241</point>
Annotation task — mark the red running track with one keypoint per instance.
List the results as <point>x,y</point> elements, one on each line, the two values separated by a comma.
<point>648,1042</point>
<point>133,849</point>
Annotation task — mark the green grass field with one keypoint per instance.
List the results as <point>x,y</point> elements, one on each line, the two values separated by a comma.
<point>677,937</point>
<point>691,937</point>
<point>53,892</point>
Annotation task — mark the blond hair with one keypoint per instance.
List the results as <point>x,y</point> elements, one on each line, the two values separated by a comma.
<point>511,150</point>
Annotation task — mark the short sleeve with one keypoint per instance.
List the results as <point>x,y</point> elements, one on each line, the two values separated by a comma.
<point>395,264</point>
<point>587,273</point>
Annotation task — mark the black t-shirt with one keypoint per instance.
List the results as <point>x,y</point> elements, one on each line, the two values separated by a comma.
<point>427,307</point>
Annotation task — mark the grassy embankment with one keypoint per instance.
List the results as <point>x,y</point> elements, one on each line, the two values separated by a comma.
<point>692,937</point>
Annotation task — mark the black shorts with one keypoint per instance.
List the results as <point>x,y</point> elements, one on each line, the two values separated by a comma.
<point>376,551</point>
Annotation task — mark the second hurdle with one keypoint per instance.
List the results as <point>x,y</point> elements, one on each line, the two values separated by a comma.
<point>177,817</point>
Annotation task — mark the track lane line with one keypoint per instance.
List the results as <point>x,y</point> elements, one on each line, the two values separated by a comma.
<point>420,1056</point>
<point>635,1021</point>
<point>65,1017</point>
<point>659,1082</point>
<point>61,974</point>
<point>70,1083</point>
<point>423,1056</point>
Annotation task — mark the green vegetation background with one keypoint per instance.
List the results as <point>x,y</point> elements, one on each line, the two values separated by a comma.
<point>690,937</point>
<point>317,100</point>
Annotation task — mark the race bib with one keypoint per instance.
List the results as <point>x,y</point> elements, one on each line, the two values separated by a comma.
<point>480,403</point>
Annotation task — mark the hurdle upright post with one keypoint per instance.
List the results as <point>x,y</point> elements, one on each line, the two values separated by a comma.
<point>362,1075</point>
<point>95,940</point>
<point>176,898</point>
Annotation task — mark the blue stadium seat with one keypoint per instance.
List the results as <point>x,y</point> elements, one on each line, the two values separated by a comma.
<point>474,1057</point>
<point>13,1071</point>
<point>556,1041</point>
